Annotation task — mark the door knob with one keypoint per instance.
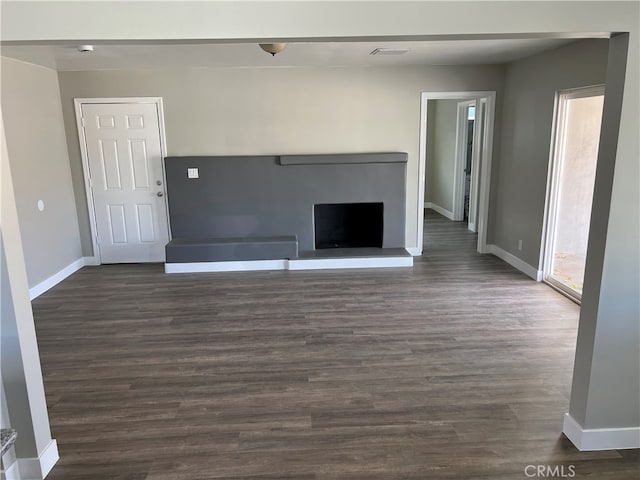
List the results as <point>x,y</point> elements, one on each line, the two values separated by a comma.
<point>159,194</point>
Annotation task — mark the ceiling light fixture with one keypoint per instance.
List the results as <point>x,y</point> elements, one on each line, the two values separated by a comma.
<point>273,48</point>
<point>85,48</point>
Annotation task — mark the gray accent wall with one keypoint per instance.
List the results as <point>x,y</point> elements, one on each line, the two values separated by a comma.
<point>262,196</point>
<point>277,111</point>
<point>37,147</point>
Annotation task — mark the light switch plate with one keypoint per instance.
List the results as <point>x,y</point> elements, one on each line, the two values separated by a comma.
<point>193,173</point>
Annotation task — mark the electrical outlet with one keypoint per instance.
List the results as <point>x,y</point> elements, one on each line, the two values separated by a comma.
<point>193,173</point>
<point>519,244</point>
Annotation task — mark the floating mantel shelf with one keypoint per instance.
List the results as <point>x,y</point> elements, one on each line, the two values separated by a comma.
<point>343,158</point>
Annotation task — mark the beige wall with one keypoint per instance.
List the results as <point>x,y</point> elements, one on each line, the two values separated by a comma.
<point>519,177</point>
<point>279,110</point>
<point>40,166</point>
<point>441,164</point>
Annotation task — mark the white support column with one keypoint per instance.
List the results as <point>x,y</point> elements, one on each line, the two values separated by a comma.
<point>604,412</point>
<point>26,406</point>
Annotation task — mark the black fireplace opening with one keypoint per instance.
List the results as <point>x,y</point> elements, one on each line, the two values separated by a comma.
<point>348,225</point>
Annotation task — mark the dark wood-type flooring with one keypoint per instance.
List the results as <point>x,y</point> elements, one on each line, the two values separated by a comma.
<point>457,368</point>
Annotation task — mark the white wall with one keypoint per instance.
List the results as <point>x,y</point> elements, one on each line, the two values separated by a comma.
<point>236,111</point>
<point>40,166</point>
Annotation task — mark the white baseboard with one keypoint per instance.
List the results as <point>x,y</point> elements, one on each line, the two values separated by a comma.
<point>515,262</point>
<point>34,468</point>
<point>415,251</point>
<point>353,262</point>
<point>56,278</point>
<point>439,209</point>
<point>600,438</point>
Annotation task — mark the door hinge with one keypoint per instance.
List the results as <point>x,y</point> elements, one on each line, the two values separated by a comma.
<point>84,124</point>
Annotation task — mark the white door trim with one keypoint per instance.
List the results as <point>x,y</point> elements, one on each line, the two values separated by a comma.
<point>486,159</point>
<point>78,103</point>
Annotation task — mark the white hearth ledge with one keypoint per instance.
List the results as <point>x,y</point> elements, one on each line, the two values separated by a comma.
<point>297,264</point>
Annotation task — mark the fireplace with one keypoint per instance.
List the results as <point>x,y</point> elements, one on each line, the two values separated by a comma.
<point>348,225</point>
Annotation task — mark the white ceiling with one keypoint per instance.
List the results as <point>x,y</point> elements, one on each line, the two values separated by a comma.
<point>316,54</point>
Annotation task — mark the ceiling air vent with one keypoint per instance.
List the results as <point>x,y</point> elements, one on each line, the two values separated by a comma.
<point>389,51</point>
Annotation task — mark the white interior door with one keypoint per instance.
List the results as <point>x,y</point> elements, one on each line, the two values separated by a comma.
<point>124,158</point>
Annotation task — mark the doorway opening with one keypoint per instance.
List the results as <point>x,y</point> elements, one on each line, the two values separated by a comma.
<point>572,172</point>
<point>456,140</point>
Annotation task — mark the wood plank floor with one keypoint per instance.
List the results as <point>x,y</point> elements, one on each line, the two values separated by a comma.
<point>457,368</point>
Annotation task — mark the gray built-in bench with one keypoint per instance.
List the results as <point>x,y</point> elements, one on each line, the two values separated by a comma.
<point>260,212</point>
